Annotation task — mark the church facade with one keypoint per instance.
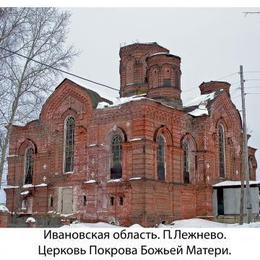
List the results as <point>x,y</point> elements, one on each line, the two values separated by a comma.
<point>145,159</point>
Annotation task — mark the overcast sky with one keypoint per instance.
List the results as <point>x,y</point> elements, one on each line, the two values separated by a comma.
<point>211,42</point>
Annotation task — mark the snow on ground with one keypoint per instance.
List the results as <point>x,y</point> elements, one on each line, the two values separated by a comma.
<point>90,225</point>
<point>96,225</point>
<point>202,223</point>
<point>30,220</point>
<point>136,226</point>
<point>186,223</point>
<point>195,223</point>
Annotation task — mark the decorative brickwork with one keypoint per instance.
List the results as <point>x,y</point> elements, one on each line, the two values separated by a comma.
<point>88,192</point>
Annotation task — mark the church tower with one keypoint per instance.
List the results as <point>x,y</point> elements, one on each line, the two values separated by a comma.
<point>133,67</point>
<point>163,73</point>
<point>148,68</point>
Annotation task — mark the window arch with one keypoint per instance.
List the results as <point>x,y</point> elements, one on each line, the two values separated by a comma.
<point>29,162</point>
<point>251,168</point>
<point>154,77</point>
<point>161,158</point>
<point>221,151</point>
<point>189,159</point>
<point>51,201</point>
<point>186,163</point>
<point>69,144</point>
<point>167,76</point>
<point>116,152</point>
<point>130,72</point>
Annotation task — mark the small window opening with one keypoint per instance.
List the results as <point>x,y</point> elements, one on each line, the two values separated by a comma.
<point>85,200</point>
<point>121,201</point>
<point>167,82</point>
<point>112,201</point>
<point>51,201</point>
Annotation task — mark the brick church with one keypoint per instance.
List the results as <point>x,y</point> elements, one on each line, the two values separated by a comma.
<point>145,159</point>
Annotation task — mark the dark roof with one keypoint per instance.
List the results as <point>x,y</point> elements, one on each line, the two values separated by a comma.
<point>95,97</point>
<point>146,44</point>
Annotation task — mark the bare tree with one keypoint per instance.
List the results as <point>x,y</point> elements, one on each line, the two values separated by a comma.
<point>28,35</point>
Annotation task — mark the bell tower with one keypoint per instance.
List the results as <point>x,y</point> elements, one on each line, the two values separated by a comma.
<point>148,68</point>
<point>164,74</point>
<point>133,67</point>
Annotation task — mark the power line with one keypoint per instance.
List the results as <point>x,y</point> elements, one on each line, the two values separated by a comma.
<point>60,70</point>
<point>227,76</point>
<point>252,79</point>
<point>101,84</point>
<point>247,13</point>
<point>252,71</point>
<point>253,87</point>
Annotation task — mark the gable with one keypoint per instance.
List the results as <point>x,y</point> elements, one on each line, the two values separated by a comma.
<point>222,108</point>
<point>69,95</point>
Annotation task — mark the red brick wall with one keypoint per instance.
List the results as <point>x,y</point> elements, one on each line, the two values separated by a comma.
<point>146,201</point>
<point>3,219</point>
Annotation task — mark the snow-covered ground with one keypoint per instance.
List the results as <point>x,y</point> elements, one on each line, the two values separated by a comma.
<point>90,225</point>
<point>202,223</point>
<point>186,223</point>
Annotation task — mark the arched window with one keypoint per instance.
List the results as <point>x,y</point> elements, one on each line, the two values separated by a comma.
<point>154,78</point>
<point>51,201</point>
<point>138,71</point>
<point>161,158</point>
<point>129,72</point>
<point>186,163</point>
<point>221,150</point>
<point>84,200</point>
<point>167,76</point>
<point>69,144</point>
<point>29,166</point>
<point>250,167</point>
<point>116,150</point>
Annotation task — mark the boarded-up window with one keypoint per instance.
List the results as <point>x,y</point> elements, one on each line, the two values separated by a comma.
<point>66,201</point>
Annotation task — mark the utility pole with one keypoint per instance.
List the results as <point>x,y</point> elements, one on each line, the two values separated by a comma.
<point>245,168</point>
